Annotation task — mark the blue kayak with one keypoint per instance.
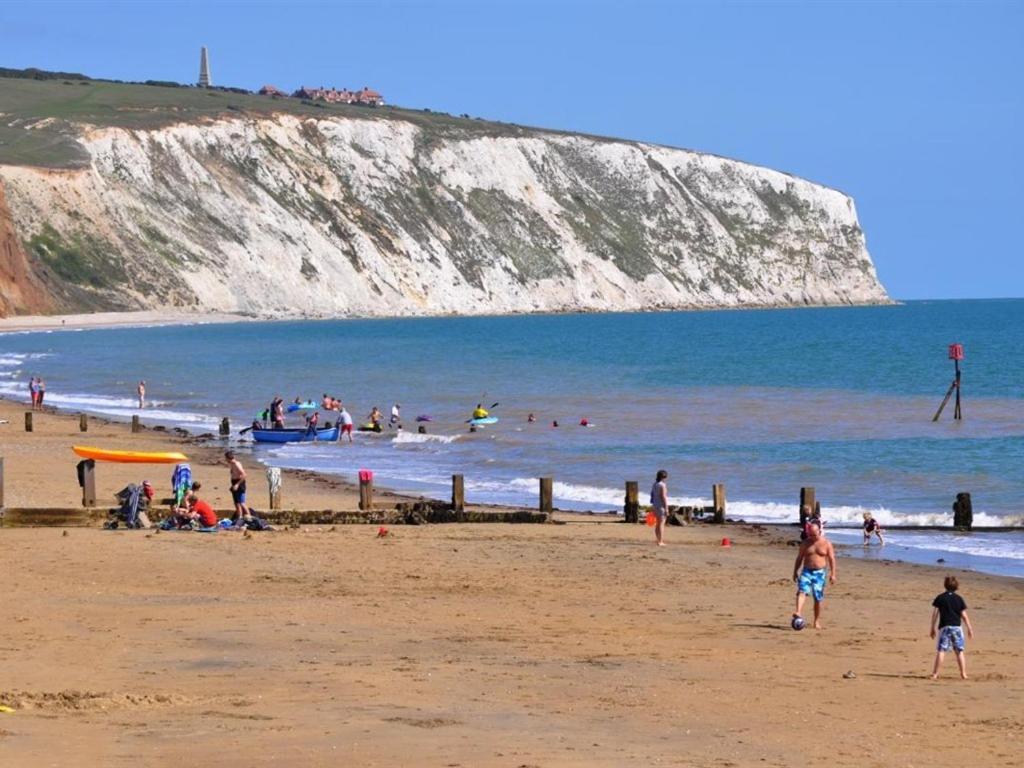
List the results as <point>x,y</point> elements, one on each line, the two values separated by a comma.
<point>326,434</point>
<point>309,405</point>
<point>485,420</point>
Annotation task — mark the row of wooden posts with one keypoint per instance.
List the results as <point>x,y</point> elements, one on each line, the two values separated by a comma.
<point>83,424</point>
<point>962,508</point>
<point>631,508</point>
<point>223,429</point>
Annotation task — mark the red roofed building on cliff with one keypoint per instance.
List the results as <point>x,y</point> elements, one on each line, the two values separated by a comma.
<point>269,90</point>
<point>365,97</point>
<point>369,97</point>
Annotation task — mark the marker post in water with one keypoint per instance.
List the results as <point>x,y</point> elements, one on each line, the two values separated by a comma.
<point>956,354</point>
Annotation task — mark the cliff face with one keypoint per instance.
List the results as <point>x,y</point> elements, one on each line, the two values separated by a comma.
<point>285,216</point>
<point>20,289</point>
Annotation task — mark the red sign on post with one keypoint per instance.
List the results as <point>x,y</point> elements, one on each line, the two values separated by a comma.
<point>956,351</point>
<point>365,475</point>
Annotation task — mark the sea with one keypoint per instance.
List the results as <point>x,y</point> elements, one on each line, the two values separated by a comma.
<point>764,401</point>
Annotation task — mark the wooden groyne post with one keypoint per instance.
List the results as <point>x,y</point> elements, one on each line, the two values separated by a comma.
<point>631,509</point>
<point>547,495</point>
<point>225,427</point>
<point>274,487</point>
<point>1,482</point>
<point>718,502</point>
<point>87,479</point>
<point>963,512</point>
<point>365,490</point>
<point>83,423</point>
<point>28,421</point>
<point>458,493</point>
<point>136,425</point>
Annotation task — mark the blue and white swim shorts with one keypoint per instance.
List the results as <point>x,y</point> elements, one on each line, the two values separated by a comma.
<point>950,638</point>
<point>812,583</point>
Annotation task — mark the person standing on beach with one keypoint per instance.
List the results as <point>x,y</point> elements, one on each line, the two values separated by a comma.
<point>818,558</point>
<point>40,392</point>
<point>141,391</point>
<point>659,503</point>
<point>871,526</point>
<point>950,609</point>
<point>33,392</point>
<point>237,486</point>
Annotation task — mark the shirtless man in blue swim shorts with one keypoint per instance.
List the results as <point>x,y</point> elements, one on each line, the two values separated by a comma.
<point>818,558</point>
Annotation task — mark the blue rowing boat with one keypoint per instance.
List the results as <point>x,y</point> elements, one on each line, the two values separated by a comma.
<point>327,434</point>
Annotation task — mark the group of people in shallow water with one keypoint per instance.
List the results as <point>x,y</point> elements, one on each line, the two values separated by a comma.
<point>273,416</point>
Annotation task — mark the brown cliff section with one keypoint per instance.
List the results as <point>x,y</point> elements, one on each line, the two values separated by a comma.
<point>21,293</point>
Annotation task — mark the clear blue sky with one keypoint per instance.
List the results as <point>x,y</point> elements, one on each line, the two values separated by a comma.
<point>913,108</point>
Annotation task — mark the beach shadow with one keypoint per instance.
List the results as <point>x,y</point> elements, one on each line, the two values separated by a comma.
<point>782,627</point>
<point>895,676</point>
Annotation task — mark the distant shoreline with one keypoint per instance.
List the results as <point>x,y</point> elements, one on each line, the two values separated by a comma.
<point>156,317</point>
<point>90,320</point>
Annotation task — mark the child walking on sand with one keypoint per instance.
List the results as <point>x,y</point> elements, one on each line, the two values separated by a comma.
<point>950,608</point>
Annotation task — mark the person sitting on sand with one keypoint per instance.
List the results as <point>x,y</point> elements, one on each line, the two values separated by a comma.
<point>480,412</point>
<point>818,558</point>
<point>187,511</point>
<point>950,609</point>
<point>871,526</point>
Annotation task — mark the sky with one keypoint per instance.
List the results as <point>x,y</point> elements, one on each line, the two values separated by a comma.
<point>914,109</point>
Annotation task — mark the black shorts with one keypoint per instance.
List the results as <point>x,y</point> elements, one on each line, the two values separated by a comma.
<point>238,493</point>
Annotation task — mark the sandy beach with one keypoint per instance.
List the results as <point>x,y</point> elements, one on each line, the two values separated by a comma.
<point>572,644</point>
<point>113,320</point>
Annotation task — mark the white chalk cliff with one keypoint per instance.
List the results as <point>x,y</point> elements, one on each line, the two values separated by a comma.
<point>289,216</point>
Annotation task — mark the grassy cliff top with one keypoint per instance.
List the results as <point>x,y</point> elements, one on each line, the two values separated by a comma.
<point>37,117</point>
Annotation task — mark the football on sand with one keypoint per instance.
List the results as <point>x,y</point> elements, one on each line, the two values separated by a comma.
<point>797,623</point>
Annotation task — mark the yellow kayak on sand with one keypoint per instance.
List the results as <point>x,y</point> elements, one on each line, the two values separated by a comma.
<point>129,457</point>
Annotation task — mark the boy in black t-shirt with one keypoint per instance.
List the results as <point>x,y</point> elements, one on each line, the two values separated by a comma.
<point>950,608</point>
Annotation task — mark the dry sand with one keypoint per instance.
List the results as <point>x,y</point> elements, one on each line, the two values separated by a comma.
<point>578,644</point>
<point>113,319</point>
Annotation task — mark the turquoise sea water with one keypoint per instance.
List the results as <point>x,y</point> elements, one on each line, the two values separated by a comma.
<point>765,401</point>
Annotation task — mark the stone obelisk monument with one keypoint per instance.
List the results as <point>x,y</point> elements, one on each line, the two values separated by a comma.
<point>204,69</point>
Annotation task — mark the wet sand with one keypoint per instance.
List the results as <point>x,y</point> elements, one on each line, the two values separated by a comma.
<point>577,644</point>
